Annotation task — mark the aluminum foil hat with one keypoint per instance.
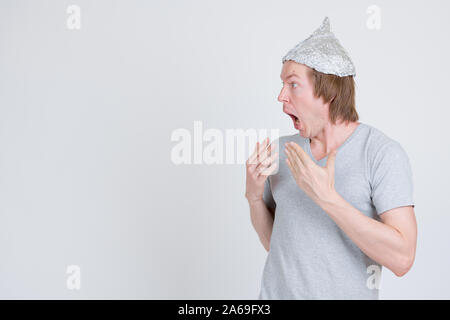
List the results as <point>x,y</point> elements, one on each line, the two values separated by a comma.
<point>323,52</point>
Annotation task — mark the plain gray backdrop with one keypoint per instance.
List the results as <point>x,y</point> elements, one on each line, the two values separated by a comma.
<point>86,118</point>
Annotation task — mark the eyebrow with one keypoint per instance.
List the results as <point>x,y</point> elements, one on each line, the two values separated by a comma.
<point>292,75</point>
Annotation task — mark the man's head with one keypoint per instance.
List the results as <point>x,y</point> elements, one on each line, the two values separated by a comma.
<point>314,99</point>
<point>323,91</point>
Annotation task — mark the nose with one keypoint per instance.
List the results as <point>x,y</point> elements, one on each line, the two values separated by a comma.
<point>282,97</point>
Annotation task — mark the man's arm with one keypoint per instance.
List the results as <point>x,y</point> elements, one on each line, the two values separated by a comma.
<point>262,219</point>
<point>259,166</point>
<point>392,242</point>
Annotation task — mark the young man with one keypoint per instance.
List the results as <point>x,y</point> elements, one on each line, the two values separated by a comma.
<point>341,204</point>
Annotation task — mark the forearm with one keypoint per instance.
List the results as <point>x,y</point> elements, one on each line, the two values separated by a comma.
<point>381,242</point>
<point>262,220</point>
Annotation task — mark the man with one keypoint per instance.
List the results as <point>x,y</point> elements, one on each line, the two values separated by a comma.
<point>339,205</point>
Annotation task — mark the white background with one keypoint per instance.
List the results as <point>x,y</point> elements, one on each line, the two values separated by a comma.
<point>86,117</point>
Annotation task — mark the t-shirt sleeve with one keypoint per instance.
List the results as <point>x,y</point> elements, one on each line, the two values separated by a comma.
<point>267,195</point>
<point>391,178</point>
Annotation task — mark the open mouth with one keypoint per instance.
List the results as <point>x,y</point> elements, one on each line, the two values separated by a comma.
<point>295,120</point>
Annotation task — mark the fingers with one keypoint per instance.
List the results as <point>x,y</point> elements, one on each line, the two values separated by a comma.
<point>262,154</point>
<point>294,159</point>
<point>267,163</point>
<point>259,152</point>
<point>266,153</point>
<point>252,158</point>
<point>291,167</point>
<point>299,152</point>
<point>268,171</point>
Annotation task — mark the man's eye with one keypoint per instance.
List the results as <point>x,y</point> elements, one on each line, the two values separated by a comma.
<point>293,83</point>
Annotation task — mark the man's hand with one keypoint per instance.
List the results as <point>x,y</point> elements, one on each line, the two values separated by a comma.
<point>317,182</point>
<point>259,166</point>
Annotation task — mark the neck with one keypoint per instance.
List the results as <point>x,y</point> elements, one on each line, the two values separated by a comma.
<point>332,136</point>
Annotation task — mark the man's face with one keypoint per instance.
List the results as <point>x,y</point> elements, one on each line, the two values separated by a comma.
<point>307,112</point>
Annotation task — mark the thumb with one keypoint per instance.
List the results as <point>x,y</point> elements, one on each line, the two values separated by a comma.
<point>331,159</point>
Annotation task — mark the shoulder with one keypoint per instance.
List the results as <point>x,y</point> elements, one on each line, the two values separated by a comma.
<point>379,143</point>
<point>383,151</point>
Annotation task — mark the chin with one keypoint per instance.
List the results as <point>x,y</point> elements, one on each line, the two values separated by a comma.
<point>303,133</point>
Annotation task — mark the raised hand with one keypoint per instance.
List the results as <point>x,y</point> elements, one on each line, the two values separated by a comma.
<point>259,166</point>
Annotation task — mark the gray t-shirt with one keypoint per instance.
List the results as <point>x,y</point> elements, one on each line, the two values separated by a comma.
<point>310,257</point>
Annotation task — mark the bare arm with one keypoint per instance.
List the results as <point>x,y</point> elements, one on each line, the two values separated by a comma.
<point>259,166</point>
<point>262,220</point>
<point>392,242</point>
